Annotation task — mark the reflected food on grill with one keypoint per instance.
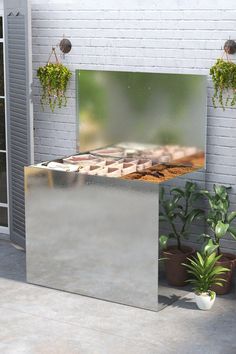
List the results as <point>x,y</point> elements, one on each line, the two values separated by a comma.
<point>118,161</point>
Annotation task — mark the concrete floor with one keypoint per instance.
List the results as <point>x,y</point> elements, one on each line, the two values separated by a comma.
<point>37,320</point>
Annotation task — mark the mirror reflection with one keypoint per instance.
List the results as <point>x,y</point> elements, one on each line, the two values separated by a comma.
<point>151,115</point>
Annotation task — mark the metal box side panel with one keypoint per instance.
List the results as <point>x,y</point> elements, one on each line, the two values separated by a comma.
<point>93,236</point>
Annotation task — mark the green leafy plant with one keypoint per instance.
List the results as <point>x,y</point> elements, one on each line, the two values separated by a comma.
<point>223,75</point>
<point>54,78</point>
<point>179,211</point>
<point>205,272</point>
<point>219,219</point>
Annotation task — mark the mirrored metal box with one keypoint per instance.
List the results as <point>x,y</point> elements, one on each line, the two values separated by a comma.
<point>92,218</point>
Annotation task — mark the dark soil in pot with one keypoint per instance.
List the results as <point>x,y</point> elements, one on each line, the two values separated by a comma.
<point>227,260</point>
<point>176,273</point>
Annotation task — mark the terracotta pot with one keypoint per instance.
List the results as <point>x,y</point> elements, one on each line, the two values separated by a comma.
<point>176,273</point>
<point>227,260</point>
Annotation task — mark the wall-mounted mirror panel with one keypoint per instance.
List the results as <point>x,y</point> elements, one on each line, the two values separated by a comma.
<point>133,109</point>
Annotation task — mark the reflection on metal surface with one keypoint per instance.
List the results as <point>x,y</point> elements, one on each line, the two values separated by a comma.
<point>98,236</point>
<point>150,108</point>
<point>145,165</point>
<point>94,236</point>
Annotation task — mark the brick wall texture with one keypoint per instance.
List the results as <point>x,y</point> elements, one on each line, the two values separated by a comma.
<point>158,36</point>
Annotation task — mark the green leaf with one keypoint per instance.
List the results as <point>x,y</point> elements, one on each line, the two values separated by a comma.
<point>204,271</point>
<point>232,231</point>
<point>190,188</point>
<point>205,193</point>
<point>212,294</point>
<point>220,190</point>
<point>162,218</point>
<point>163,239</point>
<point>231,216</point>
<point>221,229</point>
<point>176,199</point>
<point>201,261</point>
<point>209,247</point>
<point>178,191</point>
<point>162,193</point>
<point>194,214</point>
<point>196,196</point>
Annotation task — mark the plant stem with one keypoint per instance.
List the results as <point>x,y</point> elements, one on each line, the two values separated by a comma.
<point>177,236</point>
<point>217,242</point>
<point>185,213</point>
<point>178,243</point>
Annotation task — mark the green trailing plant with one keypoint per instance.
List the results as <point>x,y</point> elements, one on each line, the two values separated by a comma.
<point>219,218</point>
<point>179,212</point>
<point>54,78</point>
<point>205,272</point>
<point>223,74</point>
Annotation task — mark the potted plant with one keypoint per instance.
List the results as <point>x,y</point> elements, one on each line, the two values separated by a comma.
<point>205,273</point>
<point>179,212</point>
<point>223,74</point>
<point>54,79</point>
<point>219,221</point>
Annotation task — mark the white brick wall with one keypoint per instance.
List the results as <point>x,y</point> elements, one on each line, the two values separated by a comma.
<point>158,36</point>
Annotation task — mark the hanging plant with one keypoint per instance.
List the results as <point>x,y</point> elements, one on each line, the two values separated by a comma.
<point>223,74</point>
<point>54,79</point>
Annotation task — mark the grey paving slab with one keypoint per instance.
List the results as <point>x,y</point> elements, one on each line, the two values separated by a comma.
<point>39,320</point>
<point>12,262</point>
<point>23,333</point>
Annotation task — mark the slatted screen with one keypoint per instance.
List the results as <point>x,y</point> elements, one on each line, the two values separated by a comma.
<point>18,122</point>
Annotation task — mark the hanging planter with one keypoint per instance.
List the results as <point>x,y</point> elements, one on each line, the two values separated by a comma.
<point>223,74</point>
<point>54,79</point>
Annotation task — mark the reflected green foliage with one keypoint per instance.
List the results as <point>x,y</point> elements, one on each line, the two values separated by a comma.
<point>141,87</point>
<point>167,136</point>
<point>141,107</point>
<point>92,95</point>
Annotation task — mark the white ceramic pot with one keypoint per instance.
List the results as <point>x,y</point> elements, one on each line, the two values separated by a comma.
<point>204,301</point>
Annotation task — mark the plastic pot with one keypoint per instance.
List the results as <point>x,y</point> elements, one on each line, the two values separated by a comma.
<point>228,260</point>
<point>176,273</point>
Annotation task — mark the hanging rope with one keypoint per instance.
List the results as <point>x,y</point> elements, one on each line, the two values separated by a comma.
<point>53,52</point>
<point>225,55</point>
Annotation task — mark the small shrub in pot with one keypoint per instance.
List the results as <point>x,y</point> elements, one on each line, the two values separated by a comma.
<point>54,79</point>
<point>179,212</point>
<point>223,74</point>
<point>205,273</point>
<point>219,220</point>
